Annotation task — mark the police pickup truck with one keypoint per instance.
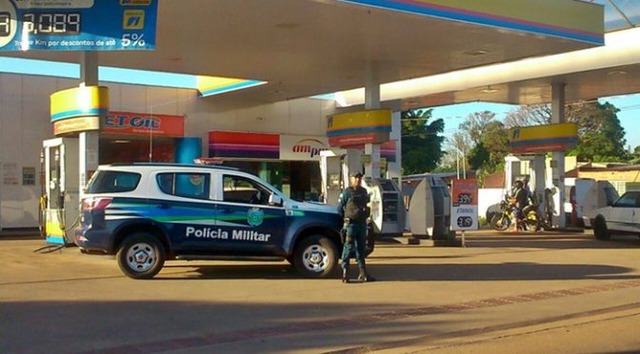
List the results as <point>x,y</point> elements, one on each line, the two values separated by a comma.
<point>146,213</point>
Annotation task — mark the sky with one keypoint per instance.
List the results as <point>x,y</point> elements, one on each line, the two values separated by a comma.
<point>72,71</point>
<point>629,115</point>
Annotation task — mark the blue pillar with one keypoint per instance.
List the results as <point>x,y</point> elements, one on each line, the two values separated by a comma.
<point>188,149</point>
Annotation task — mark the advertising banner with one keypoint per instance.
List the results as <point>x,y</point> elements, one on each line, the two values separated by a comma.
<point>74,125</point>
<point>144,124</point>
<point>78,109</point>
<point>543,138</point>
<point>302,148</point>
<point>358,128</point>
<point>77,25</point>
<point>227,144</point>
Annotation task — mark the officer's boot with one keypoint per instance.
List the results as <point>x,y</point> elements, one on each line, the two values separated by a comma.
<point>345,274</point>
<point>364,276</point>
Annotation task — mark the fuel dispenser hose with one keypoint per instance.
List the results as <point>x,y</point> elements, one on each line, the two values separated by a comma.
<point>42,216</point>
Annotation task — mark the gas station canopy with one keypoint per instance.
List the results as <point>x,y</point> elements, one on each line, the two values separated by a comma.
<point>303,48</point>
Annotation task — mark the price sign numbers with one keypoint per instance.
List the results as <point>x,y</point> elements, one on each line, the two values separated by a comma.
<point>5,24</point>
<point>42,24</point>
<point>464,221</point>
<point>51,23</point>
<point>464,198</point>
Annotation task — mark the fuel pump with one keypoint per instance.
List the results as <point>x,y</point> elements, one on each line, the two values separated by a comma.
<point>332,175</point>
<point>387,206</point>
<point>59,202</point>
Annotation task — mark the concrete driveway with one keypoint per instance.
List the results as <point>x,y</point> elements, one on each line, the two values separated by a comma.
<point>502,293</point>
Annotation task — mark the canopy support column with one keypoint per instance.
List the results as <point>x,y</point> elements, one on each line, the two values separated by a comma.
<point>372,101</point>
<point>557,161</point>
<point>89,141</point>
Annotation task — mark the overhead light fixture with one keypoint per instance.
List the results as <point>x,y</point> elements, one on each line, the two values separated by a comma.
<point>617,73</point>
<point>476,52</point>
<point>488,89</point>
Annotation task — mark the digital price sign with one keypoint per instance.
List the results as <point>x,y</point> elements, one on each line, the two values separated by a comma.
<point>77,25</point>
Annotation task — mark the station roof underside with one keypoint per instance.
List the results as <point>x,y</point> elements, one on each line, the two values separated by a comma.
<point>311,47</point>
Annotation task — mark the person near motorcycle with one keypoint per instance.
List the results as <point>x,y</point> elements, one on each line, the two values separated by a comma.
<point>519,199</point>
<point>549,206</point>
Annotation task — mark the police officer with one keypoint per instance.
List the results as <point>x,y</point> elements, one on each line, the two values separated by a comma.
<point>356,230</point>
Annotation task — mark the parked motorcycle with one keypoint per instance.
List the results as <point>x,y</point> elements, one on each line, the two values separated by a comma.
<point>530,222</point>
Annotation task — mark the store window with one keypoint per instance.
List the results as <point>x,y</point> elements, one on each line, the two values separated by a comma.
<point>299,180</point>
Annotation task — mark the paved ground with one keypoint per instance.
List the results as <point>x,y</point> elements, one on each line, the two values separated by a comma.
<point>502,293</point>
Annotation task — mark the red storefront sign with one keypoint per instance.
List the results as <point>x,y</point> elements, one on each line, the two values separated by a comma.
<point>144,124</point>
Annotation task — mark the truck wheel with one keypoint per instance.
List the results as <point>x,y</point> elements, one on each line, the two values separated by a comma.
<point>600,230</point>
<point>316,256</point>
<point>141,256</point>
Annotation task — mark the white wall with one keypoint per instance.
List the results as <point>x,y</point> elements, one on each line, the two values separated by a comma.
<point>24,123</point>
<point>488,197</point>
<point>293,117</point>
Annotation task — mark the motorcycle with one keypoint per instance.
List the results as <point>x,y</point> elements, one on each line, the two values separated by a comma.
<point>530,222</point>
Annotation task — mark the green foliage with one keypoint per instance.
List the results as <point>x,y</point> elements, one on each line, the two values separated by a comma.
<point>478,156</point>
<point>476,124</point>
<point>635,159</point>
<point>601,135</point>
<point>491,143</point>
<point>421,142</point>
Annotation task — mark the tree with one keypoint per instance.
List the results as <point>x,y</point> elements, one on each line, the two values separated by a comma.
<point>488,142</point>
<point>601,136</point>
<point>535,114</point>
<point>456,151</point>
<point>478,157</point>
<point>476,125</point>
<point>636,155</point>
<point>421,144</point>
<point>496,140</point>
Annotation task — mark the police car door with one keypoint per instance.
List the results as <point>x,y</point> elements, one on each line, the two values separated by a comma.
<point>186,211</point>
<point>252,225</point>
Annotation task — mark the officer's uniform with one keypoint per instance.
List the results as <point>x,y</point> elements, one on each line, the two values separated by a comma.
<point>356,237</point>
